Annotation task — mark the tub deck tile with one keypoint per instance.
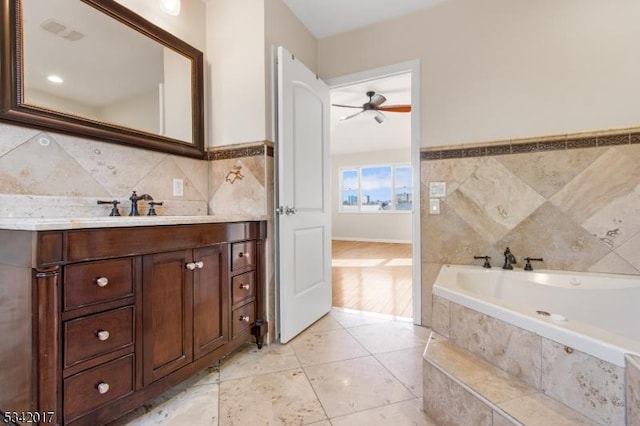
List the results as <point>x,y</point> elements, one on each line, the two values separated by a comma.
<point>488,380</point>
<point>461,387</point>
<point>539,409</point>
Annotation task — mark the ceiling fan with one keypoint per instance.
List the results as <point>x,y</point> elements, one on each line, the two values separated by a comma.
<point>375,104</point>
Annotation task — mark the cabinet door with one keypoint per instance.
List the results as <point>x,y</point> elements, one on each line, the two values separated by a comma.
<point>210,300</point>
<point>167,305</point>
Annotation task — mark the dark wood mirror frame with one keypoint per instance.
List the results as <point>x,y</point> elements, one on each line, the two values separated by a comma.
<point>13,110</point>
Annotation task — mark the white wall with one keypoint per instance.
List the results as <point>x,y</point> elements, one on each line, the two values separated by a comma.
<point>282,27</point>
<point>189,25</point>
<point>501,69</point>
<point>235,52</point>
<point>239,39</point>
<point>387,226</point>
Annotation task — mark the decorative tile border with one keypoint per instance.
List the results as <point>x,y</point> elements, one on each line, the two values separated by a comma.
<point>572,141</point>
<point>234,151</point>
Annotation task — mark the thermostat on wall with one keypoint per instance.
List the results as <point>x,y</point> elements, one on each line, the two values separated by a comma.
<point>437,189</point>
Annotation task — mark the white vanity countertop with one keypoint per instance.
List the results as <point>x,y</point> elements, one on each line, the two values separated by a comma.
<point>60,223</point>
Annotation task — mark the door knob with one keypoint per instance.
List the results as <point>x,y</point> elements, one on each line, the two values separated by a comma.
<point>290,210</point>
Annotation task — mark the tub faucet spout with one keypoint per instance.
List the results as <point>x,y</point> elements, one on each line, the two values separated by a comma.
<point>509,259</point>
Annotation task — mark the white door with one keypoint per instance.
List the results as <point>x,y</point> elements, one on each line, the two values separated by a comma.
<point>303,218</point>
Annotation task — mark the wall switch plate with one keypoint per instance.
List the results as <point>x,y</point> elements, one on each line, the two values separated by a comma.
<point>434,206</point>
<point>178,187</point>
<point>437,189</point>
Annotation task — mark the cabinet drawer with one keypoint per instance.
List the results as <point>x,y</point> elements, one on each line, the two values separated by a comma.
<point>96,282</point>
<point>243,255</point>
<point>243,286</point>
<point>98,386</point>
<point>93,335</point>
<point>243,318</point>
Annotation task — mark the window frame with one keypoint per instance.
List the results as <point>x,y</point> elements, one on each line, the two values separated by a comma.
<point>358,206</point>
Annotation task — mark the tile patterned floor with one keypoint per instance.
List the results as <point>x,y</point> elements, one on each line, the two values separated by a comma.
<point>346,369</point>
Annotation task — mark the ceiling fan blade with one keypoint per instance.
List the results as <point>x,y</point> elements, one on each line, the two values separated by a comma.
<point>395,108</point>
<point>346,106</point>
<point>377,100</point>
<point>350,116</point>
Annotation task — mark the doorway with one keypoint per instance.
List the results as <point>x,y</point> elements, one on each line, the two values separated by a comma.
<point>375,238</point>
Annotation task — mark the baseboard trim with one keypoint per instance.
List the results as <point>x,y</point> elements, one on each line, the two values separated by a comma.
<point>372,240</point>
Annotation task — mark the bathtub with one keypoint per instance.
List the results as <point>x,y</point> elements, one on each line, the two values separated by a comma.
<point>590,312</point>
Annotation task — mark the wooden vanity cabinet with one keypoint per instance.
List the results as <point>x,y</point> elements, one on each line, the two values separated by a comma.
<point>184,314</point>
<point>119,315</point>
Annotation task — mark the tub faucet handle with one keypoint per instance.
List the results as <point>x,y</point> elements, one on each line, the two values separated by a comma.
<point>527,266</point>
<point>486,261</point>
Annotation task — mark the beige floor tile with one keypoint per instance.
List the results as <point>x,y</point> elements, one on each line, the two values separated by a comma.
<point>321,347</point>
<point>346,387</point>
<point>196,406</point>
<point>269,399</point>
<point>409,413</point>
<point>326,323</point>
<point>251,361</point>
<point>406,366</point>
<point>390,336</point>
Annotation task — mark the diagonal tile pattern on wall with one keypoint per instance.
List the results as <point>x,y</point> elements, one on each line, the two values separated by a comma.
<point>55,172</point>
<point>46,174</point>
<point>493,200</point>
<point>578,208</point>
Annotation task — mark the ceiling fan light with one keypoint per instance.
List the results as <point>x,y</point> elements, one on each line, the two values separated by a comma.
<point>379,118</point>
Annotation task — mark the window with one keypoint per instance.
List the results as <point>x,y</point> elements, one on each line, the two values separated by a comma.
<point>376,188</point>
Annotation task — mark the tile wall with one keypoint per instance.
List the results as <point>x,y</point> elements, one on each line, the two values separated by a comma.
<point>44,174</point>
<point>573,200</point>
<point>632,383</point>
<point>591,386</point>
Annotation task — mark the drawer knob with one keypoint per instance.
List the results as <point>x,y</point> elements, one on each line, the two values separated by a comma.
<point>244,318</point>
<point>245,286</point>
<point>102,335</point>
<point>102,281</point>
<point>241,254</point>
<point>103,388</point>
<point>195,265</point>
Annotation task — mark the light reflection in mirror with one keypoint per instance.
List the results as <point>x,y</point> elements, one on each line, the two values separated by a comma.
<point>112,73</point>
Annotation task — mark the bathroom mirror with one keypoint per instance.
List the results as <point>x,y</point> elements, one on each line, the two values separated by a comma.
<point>94,68</point>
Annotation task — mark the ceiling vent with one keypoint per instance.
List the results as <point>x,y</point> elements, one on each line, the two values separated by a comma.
<point>54,27</point>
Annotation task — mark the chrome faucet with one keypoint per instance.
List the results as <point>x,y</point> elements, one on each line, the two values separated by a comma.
<point>134,202</point>
<point>509,259</point>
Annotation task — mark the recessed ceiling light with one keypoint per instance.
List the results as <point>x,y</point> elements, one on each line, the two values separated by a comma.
<point>55,79</point>
<point>171,7</point>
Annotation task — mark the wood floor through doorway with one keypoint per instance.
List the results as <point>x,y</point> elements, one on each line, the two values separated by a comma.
<point>372,277</point>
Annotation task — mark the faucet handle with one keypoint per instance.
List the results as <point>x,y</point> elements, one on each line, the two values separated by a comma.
<point>152,210</point>
<point>114,210</point>
<point>527,266</point>
<point>486,261</point>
